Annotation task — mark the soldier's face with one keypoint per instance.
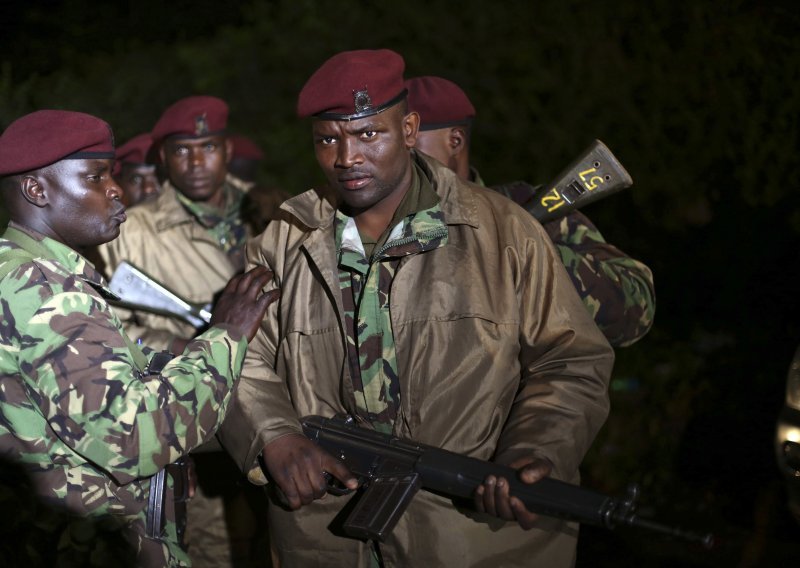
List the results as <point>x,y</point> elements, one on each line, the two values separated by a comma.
<point>81,202</point>
<point>367,160</point>
<point>139,182</point>
<point>197,166</point>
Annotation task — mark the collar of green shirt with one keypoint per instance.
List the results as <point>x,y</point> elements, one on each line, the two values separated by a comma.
<point>38,246</point>
<point>419,197</point>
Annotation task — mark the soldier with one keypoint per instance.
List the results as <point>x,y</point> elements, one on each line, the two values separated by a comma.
<point>135,170</point>
<point>90,414</point>
<point>191,239</point>
<point>262,202</point>
<point>616,289</point>
<point>247,157</point>
<point>424,306</point>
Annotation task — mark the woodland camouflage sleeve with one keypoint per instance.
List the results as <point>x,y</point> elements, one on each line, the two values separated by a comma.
<point>616,289</point>
<point>82,374</point>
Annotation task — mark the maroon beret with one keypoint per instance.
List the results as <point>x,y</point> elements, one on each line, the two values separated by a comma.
<point>136,150</point>
<point>353,84</point>
<point>192,117</point>
<point>45,137</point>
<point>440,103</point>
<point>243,147</point>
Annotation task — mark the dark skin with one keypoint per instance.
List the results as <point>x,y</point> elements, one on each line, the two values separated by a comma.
<point>78,203</point>
<point>197,166</point>
<point>75,202</point>
<point>368,162</point>
<point>449,146</point>
<point>139,183</point>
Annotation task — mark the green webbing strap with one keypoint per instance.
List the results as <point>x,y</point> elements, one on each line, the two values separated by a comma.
<point>31,249</point>
<point>13,258</point>
<point>28,243</point>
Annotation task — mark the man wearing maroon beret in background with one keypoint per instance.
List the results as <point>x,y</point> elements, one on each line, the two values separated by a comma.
<point>616,289</point>
<point>92,417</point>
<point>262,202</point>
<point>245,159</point>
<point>191,239</point>
<point>426,307</point>
<point>135,170</point>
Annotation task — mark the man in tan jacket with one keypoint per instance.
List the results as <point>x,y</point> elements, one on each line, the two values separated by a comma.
<point>424,306</point>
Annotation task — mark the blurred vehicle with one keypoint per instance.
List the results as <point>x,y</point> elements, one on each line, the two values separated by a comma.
<point>787,440</point>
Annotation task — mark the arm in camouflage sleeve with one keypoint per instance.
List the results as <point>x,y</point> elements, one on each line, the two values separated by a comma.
<point>616,289</point>
<point>76,365</point>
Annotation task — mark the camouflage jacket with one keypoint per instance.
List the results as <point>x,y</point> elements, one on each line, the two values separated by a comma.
<point>616,289</point>
<point>77,407</point>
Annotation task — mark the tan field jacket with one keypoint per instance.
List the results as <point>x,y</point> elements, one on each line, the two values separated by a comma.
<point>497,358</point>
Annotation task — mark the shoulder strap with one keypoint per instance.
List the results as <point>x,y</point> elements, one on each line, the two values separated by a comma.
<point>12,259</point>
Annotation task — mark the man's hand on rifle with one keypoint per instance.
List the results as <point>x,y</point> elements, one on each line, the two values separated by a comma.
<point>493,497</point>
<point>298,466</point>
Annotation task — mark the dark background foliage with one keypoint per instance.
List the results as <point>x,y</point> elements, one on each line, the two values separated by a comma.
<point>697,99</point>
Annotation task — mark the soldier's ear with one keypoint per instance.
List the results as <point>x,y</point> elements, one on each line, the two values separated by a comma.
<point>411,128</point>
<point>33,191</point>
<point>456,140</point>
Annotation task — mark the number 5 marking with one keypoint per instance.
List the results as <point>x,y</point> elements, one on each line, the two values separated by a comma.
<point>593,182</point>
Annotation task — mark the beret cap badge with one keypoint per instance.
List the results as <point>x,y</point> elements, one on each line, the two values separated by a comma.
<point>201,125</point>
<point>361,100</point>
<point>194,116</point>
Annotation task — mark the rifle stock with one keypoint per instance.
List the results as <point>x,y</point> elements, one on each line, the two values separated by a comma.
<point>594,174</point>
<point>392,470</point>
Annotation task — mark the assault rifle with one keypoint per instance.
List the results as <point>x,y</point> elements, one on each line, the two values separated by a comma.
<point>593,175</point>
<point>391,470</point>
<point>138,291</point>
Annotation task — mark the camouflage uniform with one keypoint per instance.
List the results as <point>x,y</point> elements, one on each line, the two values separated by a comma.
<point>194,251</point>
<point>76,405</point>
<point>616,289</point>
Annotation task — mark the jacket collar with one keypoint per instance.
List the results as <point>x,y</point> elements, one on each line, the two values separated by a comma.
<point>167,211</point>
<point>316,208</point>
<point>457,198</point>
